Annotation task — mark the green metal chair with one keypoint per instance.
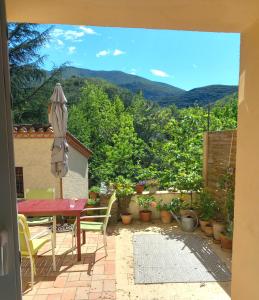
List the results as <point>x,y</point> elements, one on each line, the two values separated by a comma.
<point>46,194</point>
<point>95,226</point>
<point>29,246</point>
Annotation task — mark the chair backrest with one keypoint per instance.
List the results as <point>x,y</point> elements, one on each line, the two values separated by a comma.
<point>46,194</point>
<point>108,211</point>
<point>24,235</point>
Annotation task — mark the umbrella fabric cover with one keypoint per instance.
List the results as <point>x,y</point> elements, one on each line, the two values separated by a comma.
<point>58,119</point>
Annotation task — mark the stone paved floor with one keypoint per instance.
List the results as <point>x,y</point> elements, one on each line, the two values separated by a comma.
<point>125,287</point>
<point>97,277</point>
<point>92,278</point>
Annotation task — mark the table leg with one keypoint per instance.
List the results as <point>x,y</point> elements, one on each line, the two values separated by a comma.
<point>78,238</point>
<point>54,230</point>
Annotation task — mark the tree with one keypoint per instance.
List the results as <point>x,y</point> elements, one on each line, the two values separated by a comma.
<point>24,42</point>
<point>124,156</point>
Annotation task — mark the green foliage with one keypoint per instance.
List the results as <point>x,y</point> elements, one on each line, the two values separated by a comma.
<point>93,202</point>
<point>207,206</point>
<point>152,183</point>
<point>176,205</point>
<point>24,43</point>
<point>227,184</point>
<point>163,206</point>
<point>145,201</point>
<point>124,187</point>
<point>95,189</point>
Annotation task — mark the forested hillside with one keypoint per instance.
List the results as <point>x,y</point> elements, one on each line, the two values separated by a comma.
<point>141,140</point>
<point>161,93</point>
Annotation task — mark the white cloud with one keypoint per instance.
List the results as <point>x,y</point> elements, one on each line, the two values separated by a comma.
<point>87,30</point>
<point>72,35</point>
<point>133,71</point>
<point>117,52</point>
<point>103,53</point>
<point>60,43</point>
<point>159,73</point>
<point>71,49</point>
<point>57,32</point>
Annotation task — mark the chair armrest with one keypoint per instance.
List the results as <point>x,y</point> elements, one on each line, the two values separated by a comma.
<point>41,234</point>
<point>93,208</point>
<point>93,217</point>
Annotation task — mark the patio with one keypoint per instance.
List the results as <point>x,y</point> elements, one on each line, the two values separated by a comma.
<point>97,277</point>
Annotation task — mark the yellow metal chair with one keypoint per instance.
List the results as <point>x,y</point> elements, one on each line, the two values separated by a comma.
<point>45,194</point>
<point>95,226</point>
<point>29,246</point>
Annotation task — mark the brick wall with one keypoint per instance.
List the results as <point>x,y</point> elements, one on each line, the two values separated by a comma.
<point>219,153</point>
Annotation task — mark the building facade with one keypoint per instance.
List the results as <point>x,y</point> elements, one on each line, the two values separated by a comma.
<point>32,150</point>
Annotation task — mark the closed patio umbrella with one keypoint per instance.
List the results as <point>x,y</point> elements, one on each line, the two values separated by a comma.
<point>58,119</point>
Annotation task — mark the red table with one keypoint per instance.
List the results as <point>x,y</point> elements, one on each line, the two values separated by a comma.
<point>57,207</point>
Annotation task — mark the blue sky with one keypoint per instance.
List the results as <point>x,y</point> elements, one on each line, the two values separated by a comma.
<point>180,58</point>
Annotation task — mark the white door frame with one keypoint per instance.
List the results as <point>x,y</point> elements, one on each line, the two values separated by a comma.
<point>10,284</point>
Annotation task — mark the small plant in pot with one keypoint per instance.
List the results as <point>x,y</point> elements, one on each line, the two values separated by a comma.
<point>165,214</point>
<point>145,203</point>
<point>226,237</point>
<point>124,191</point>
<point>91,203</point>
<point>152,185</point>
<point>227,183</point>
<point>140,186</point>
<point>207,208</point>
<point>94,192</point>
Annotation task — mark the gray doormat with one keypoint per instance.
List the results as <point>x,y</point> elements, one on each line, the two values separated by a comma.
<point>176,258</point>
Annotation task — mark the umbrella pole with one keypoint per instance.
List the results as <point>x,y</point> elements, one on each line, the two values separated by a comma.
<point>61,188</point>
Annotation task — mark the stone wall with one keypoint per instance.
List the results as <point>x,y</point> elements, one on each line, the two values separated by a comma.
<point>165,196</point>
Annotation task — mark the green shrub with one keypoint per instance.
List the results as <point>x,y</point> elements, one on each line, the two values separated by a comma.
<point>207,206</point>
<point>145,201</point>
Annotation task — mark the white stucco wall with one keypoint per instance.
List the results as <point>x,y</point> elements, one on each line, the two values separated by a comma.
<point>75,183</point>
<point>33,155</point>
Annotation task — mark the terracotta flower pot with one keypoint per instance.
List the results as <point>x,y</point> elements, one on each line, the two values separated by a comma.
<point>126,218</point>
<point>166,216</point>
<point>226,243</point>
<point>139,188</point>
<point>145,215</point>
<point>93,195</point>
<point>217,229</point>
<point>203,224</point>
<point>208,230</point>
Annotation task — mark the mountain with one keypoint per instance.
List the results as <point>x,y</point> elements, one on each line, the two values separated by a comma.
<point>152,90</point>
<point>161,93</point>
<point>205,95</point>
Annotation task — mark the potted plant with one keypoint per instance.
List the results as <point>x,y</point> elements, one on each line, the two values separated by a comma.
<point>165,214</point>
<point>207,208</point>
<point>218,228</point>
<point>175,206</point>
<point>226,237</point>
<point>152,185</point>
<point>145,202</point>
<point>94,192</point>
<point>227,183</point>
<point>91,203</point>
<point>124,191</point>
<point>140,186</point>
